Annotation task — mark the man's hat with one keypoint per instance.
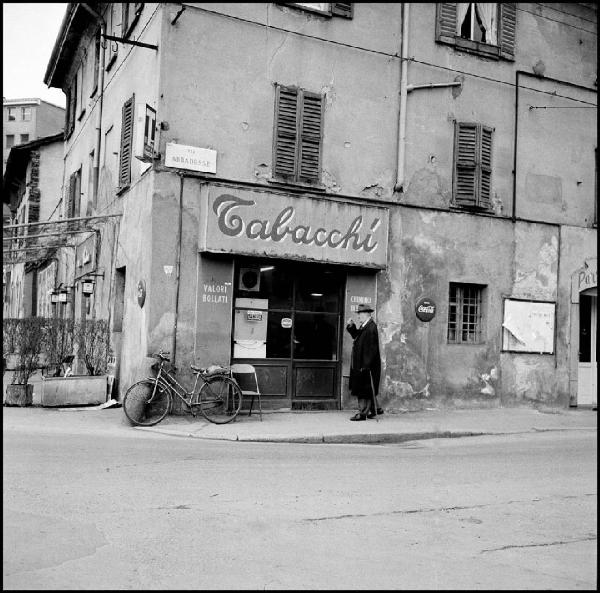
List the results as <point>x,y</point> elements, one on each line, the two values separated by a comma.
<point>364,309</point>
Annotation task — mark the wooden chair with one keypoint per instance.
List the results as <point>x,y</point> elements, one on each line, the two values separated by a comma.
<point>245,375</point>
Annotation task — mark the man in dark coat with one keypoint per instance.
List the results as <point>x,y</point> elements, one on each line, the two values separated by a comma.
<point>365,366</point>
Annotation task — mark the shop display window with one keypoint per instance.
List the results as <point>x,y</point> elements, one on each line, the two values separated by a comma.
<point>286,311</point>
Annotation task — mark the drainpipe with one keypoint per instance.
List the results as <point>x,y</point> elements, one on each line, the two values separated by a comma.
<point>96,172</point>
<point>431,85</point>
<point>178,266</point>
<point>514,196</point>
<point>403,91</point>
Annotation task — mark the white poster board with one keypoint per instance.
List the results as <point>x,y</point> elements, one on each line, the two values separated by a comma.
<point>528,326</point>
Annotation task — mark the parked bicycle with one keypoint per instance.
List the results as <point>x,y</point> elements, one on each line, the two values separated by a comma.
<point>219,397</point>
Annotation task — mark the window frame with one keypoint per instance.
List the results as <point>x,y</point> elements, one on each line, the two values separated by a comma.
<point>505,34</point>
<point>23,141</point>
<point>97,49</point>
<point>11,114</point>
<point>25,110</point>
<point>341,9</point>
<point>459,322</point>
<point>6,141</point>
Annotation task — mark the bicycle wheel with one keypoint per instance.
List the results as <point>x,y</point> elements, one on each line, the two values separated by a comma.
<point>146,402</point>
<point>220,399</point>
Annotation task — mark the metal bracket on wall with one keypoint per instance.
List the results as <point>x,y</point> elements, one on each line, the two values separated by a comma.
<point>130,42</point>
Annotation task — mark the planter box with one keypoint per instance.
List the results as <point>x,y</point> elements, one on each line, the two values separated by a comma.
<point>78,390</point>
<point>19,395</point>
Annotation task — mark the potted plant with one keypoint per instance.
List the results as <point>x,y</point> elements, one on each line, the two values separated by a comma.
<point>90,339</point>
<point>58,343</point>
<point>29,341</point>
<point>10,329</point>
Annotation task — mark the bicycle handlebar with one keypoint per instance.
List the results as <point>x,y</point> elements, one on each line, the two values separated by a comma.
<point>161,354</point>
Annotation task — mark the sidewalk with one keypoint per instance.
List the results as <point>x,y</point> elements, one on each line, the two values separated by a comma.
<point>335,426</point>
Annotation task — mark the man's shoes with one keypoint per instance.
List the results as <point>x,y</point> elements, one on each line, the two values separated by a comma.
<point>358,417</point>
<point>379,412</point>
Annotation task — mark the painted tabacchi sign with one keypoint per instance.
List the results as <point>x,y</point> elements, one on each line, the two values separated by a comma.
<point>274,225</point>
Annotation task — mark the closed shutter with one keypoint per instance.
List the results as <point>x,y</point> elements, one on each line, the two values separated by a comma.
<point>310,143</point>
<point>485,194</point>
<point>126,140</point>
<point>446,22</point>
<point>77,195</point>
<point>343,9</point>
<point>465,155</point>
<point>508,27</point>
<point>71,198</point>
<point>286,125</point>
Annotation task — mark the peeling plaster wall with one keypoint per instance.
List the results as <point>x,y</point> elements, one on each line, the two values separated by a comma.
<point>428,250</point>
<point>218,94</point>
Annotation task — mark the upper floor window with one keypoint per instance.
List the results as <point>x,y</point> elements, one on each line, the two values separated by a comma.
<point>472,165</point>
<point>485,28</point>
<point>126,143</point>
<point>130,13</point>
<point>71,107</point>
<point>343,9</point>
<point>26,113</point>
<point>12,114</point>
<point>97,50</point>
<point>298,135</point>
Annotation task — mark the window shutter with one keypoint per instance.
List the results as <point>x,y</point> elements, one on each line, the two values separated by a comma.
<point>508,27</point>
<point>343,9</point>
<point>71,202</point>
<point>485,194</point>
<point>126,140</point>
<point>286,112</point>
<point>465,151</point>
<point>446,22</point>
<point>310,141</point>
<point>77,194</point>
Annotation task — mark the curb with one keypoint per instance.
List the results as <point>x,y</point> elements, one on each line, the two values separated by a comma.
<point>365,438</point>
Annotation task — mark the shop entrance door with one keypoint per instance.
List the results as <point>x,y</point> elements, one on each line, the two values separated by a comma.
<point>587,386</point>
<point>287,323</point>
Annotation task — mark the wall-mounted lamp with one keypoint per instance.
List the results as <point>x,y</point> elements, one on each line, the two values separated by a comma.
<point>87,288</point>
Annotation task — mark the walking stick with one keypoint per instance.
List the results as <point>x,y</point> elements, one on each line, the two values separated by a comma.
<point>374,399</point>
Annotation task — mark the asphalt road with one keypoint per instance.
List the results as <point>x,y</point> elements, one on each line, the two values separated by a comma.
<point>140,510</point>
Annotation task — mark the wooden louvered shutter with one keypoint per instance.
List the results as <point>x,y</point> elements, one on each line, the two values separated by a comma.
<point>286,125</point>
<point>343,9</point>
<point>126,142</point>
<point>465,156</point>
<point>71,202</point>
<point>311,125</point>
<point>485,177</point>
<point>446,22</point>
<point>508,27</point>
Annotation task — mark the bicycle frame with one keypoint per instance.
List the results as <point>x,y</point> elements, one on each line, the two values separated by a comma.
<point>165,378</point>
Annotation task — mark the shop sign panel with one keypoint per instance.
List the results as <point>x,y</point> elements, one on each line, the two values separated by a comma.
<point>261,223</point>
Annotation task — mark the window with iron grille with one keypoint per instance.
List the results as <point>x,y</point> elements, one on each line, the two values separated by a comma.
<point>472,165</point>
<point>298,135</point>
<point>465,313</point>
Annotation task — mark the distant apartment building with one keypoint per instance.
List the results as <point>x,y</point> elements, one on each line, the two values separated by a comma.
<point>28,119</point>
<point>31,187</point>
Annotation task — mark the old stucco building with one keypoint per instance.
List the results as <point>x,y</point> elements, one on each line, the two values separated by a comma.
<point>273,165</point>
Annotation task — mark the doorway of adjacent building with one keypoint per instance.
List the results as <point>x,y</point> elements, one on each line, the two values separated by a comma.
<point>587,384</point>
<point>287,323</point>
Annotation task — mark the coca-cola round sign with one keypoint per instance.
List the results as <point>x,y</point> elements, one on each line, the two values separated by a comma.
<point>425,309</point>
